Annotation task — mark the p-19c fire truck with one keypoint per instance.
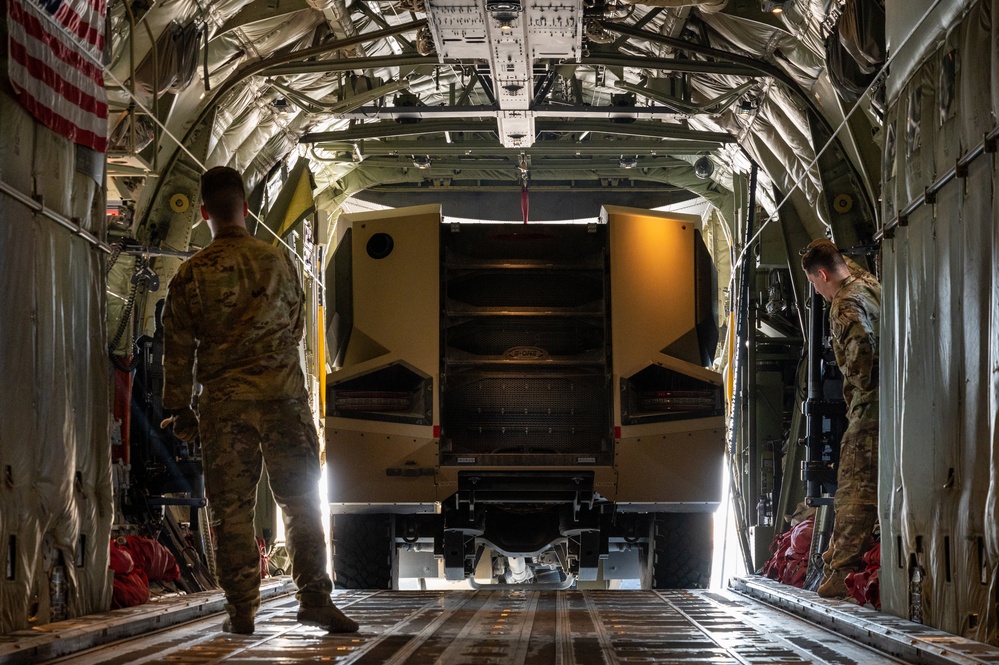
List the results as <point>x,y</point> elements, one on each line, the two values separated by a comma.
<point>523,404</point>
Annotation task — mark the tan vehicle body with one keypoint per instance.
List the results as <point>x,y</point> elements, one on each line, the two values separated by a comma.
<point>390,456</point>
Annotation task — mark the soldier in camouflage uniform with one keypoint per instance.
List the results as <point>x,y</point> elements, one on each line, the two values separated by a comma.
<point>235,313</point>
<point>854,320</point>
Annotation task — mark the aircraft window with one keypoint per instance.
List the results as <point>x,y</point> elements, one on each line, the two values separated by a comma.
<point>946,85</point>
<point>912,121</point>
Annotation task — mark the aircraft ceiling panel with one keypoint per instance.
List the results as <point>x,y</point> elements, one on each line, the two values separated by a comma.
<point>459,29</point>
<point>512,37</point>
<point>555,30</point>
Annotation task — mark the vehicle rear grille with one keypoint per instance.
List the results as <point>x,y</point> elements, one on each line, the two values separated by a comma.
<point>527,414</point>
<point>678,400</point>
<point>525,356</point>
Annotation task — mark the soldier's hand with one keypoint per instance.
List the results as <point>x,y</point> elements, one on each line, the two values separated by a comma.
<point>185,424</point>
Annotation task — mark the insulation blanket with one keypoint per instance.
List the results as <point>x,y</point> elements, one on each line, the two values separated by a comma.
<point>55,492</point>
<point>939,341</point>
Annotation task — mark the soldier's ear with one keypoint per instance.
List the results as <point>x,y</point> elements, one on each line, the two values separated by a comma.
<point>246,209</point>
<point>204,212</point>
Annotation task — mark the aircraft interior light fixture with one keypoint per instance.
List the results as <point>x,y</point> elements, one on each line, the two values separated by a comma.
<point>776,6</point>
<point>746,108</point>
<point>628,162</point>
<point>504,13</point>
<point>704,167</point>
<point>422,162</point>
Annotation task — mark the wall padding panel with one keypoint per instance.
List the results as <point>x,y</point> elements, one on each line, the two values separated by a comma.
<point>55,470</point>
<point>940,325</point>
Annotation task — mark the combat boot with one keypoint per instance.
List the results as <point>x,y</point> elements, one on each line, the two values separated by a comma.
<point>327,617</point>
<point>833,586</point>
<point>239,625</point>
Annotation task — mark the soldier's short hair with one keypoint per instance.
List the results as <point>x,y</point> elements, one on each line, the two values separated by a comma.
<point>222,192</point>
<point>822,254</point>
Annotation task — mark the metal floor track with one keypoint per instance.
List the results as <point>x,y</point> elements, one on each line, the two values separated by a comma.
<point>508,627</point>
<point>910,642</point>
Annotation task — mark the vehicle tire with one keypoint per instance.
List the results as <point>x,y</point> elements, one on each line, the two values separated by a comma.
<point>679,552</point>
<point>362,551</point>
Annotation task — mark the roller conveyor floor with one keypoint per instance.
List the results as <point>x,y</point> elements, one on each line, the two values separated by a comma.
<point>500,627</point>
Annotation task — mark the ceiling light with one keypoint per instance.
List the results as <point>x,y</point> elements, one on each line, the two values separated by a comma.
<point>704,167</point>
<point>628,162</point>
<point>421,162</point>
<point>746,108</point>
<point>775,6</point>
<point>504,13</point>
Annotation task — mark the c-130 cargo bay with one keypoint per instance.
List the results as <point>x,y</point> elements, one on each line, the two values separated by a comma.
<point>576,399</point>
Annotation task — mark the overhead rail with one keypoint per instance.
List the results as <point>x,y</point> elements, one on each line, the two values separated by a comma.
<point>388,129</point>
<point>539,111</point>
<point>675,64</point>
<point>350,64</point>
<point>591,147</point>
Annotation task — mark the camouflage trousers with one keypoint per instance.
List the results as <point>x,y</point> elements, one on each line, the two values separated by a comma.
<point>856,499</point>
<point>236,436</point>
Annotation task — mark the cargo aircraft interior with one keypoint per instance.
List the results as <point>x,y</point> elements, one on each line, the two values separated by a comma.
<point>577,399</point>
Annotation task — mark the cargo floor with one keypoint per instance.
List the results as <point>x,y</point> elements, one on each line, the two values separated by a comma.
<point>504,626</point>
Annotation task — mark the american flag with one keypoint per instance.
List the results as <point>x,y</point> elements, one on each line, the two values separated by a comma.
<point>55,47</point>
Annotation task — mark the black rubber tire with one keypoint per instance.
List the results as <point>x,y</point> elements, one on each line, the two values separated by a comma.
<point>362,551</point>
<point>679,552</point>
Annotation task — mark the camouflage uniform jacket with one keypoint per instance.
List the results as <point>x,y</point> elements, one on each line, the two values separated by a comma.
<point>234,310</point>
<point>855,322</point>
